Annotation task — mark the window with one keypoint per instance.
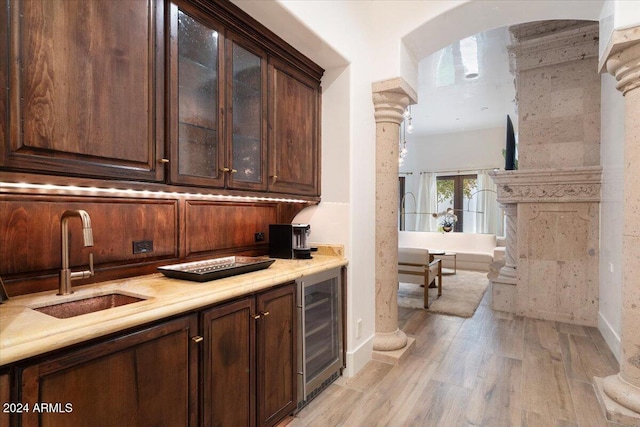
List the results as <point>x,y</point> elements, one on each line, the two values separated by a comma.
<point>455,192</point>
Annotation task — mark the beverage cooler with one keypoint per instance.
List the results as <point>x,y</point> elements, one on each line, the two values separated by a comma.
<point>320,349</point>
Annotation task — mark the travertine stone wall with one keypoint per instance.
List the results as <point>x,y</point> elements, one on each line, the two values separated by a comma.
<point>557,243</point>
<point>557,186</point>
<point>558,89</point>
<point>559,268</point>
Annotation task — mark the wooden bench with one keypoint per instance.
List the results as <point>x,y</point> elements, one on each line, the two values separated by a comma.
<point>419,267</point>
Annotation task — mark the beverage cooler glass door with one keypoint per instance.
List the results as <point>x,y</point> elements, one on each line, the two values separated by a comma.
<point>322,320</point>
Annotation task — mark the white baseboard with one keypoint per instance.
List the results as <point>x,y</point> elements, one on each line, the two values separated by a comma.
<point>610,336</point>
<point>359,357</point>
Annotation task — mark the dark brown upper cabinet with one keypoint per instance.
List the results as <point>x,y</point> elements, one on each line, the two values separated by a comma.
<point>244,112</point>
<point>294,131</point>
<point>86,92</point>
<point>181,93</point>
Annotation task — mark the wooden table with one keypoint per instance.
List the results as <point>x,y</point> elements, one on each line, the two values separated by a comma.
<point>440,254</point>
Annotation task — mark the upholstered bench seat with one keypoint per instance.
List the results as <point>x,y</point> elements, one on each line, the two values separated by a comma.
<point>473,251</point>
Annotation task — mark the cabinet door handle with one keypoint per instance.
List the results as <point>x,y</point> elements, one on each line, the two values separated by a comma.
<point>265,313</point>
<point>233,170</point>
<point>197,338</point>
<point>274,177</point>
<point>256,316</point>
<point>225,170</point>
<point>164,160</point>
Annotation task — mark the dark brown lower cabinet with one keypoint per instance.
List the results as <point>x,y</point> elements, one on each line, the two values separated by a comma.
<point>250,360</point>
<point>5,398</point>
<point>145,378</point>
<point>277,354</point>
<point>241,371</point>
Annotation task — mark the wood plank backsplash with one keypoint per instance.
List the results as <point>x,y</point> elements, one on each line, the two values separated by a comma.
<point>226,226</point>
<point>31,231</point>
<point>181,230</point>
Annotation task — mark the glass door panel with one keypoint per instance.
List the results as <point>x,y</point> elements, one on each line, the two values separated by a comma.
<point>446,199</point>
<point>198,98</point>
<point>247,126</point>
<point>469,188</point>
<point>322,334</point>
<point>454,193</point>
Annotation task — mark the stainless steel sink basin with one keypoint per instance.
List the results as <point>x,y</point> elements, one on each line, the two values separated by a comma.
<point>87,305</point>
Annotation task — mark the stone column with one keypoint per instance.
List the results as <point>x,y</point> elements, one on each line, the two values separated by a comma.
<point>390,99</point>
<point>508,273</point>
<point>621,397</point>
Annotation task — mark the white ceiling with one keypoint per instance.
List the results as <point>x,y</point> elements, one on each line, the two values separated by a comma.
<point>448,102</point>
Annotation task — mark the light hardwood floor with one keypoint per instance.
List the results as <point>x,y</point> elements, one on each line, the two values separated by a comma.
<point>494,369</point>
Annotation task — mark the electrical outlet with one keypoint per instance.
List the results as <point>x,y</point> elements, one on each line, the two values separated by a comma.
<point>259,236</point>
<point>142,246</point>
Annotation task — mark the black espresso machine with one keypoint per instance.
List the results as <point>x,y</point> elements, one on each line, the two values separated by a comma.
<point>289,241</point>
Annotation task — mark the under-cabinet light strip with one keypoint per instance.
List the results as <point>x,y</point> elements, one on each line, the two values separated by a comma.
<point>147,193</point>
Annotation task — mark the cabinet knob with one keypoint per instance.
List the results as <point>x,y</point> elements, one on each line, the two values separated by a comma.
<point>197,338</point>
<point>256,316</point>
<point>234,170</point>
<point>164,160</point>
<point>274,177</point>
<point>265,313</point>
<point>225,170</point>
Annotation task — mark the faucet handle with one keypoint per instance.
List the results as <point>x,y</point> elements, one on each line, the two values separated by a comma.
<point>91,264</point>
<point>75,275</point>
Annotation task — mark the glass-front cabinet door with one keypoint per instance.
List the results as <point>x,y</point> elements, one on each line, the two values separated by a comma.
<point>196,96</point>
<point>247,77</point>
<point>218,105</point>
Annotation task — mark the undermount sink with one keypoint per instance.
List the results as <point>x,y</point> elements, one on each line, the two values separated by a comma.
<point>87,305</point>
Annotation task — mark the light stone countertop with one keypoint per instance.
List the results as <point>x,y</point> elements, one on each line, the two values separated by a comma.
<point>25,332</point>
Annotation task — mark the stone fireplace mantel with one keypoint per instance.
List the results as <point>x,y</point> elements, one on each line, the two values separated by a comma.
<point>578,184</point>
<point>551,259</point>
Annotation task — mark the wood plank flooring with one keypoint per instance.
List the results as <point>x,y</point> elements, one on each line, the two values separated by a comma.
<point>494,369</point>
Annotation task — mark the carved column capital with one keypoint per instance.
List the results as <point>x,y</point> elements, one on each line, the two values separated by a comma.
<point>390,99</point>
<point>625,66</point>
<point>622,58</point>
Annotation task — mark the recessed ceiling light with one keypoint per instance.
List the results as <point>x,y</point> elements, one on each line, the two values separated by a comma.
<point>469,57</point>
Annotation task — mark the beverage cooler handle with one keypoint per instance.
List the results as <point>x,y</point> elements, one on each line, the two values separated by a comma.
<point>304,339</point>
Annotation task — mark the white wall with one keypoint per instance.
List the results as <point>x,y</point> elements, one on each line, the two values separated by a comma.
<point>478,149</point>
<point>612,160</point>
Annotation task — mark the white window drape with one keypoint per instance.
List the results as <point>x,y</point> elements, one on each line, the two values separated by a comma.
<point>427,203</point>
<point>491,221</point>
